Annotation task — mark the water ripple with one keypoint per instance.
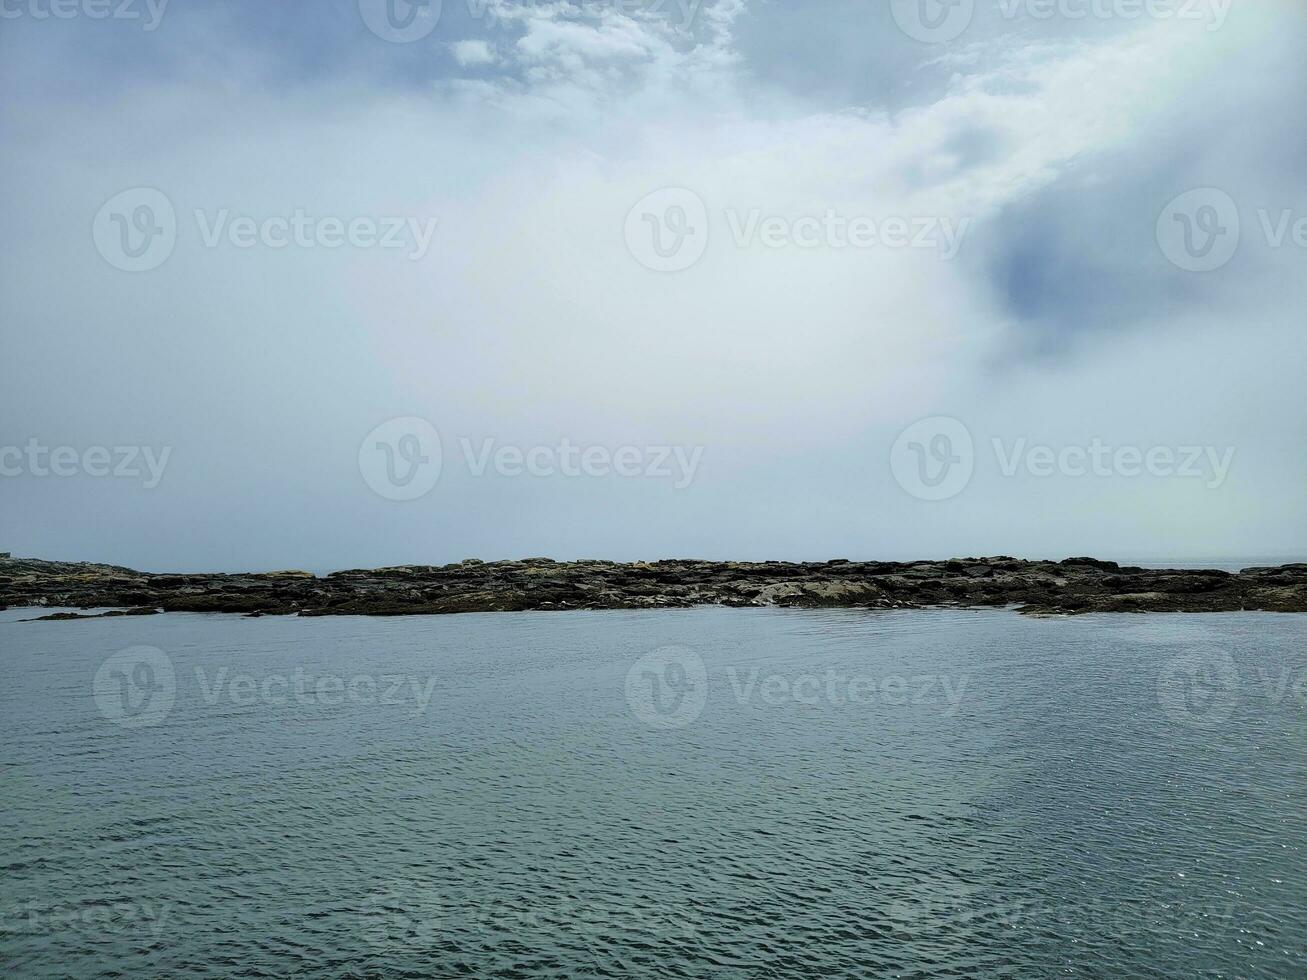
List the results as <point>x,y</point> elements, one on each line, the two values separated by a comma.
<point>1058,817</point>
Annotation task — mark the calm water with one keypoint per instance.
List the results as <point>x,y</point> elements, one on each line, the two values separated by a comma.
<point>693,793</point>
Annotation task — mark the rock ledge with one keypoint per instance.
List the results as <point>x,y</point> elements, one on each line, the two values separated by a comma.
<point>1074,586</point>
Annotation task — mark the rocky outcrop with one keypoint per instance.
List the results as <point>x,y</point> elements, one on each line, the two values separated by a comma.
<point>1077,585</point>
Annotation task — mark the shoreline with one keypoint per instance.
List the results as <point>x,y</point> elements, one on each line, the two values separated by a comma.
<point>1074,586</point>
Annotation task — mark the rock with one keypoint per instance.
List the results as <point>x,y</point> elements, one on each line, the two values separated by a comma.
<point>1077,585</point>
<point>1106,566</point>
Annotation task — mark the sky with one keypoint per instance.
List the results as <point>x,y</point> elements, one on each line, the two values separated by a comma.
<point>360,283</point>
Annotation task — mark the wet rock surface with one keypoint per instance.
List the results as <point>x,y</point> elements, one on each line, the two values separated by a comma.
<point>1074,586</point>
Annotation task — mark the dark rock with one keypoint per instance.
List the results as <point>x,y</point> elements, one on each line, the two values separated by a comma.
<point>1077,585</point>
<point>1106,566</point>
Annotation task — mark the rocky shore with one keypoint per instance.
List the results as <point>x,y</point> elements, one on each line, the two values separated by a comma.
<point>1077,585</point>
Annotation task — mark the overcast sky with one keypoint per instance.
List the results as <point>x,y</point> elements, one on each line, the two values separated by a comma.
<point>341,284</point>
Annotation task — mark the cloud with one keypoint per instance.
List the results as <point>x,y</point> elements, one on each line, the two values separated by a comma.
<point>473,53</point>
<point>530,320</point>
<point>567,62</point>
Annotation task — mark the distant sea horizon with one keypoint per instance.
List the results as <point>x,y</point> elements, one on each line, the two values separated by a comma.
<point>1223,563</point>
